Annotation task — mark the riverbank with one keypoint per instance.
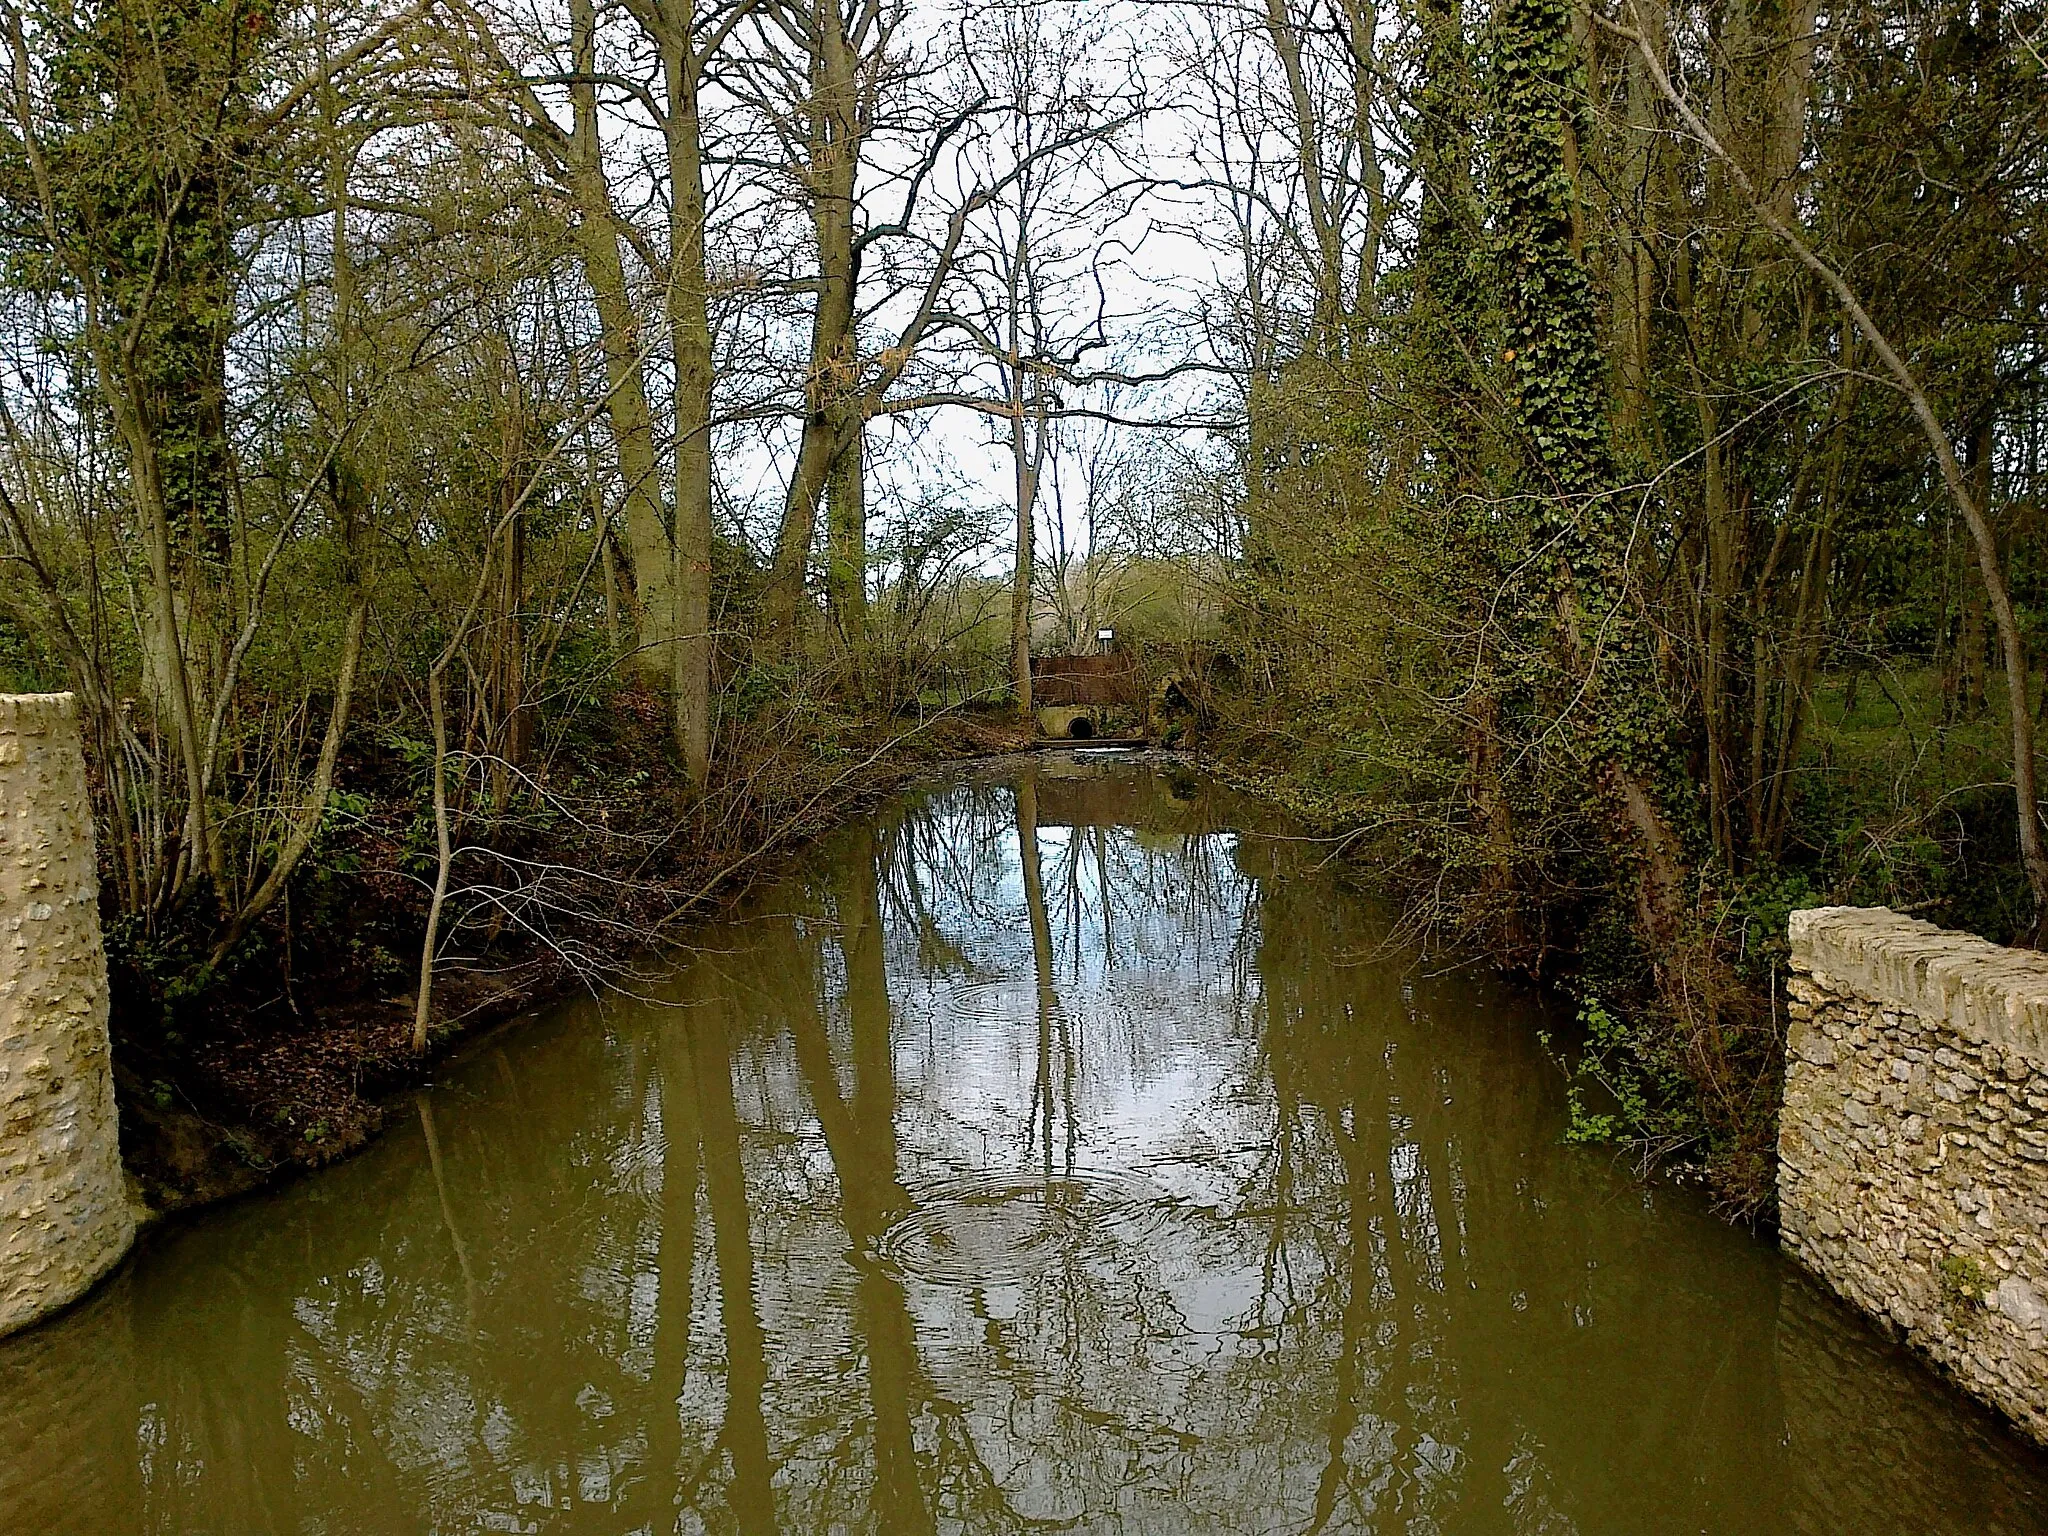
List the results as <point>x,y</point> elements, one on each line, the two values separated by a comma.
<point>1898,796</point>
<point>285,1059</point>
<point>1672,1054</point>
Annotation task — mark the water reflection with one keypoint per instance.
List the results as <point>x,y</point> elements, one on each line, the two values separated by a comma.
<point>1050,1160</point>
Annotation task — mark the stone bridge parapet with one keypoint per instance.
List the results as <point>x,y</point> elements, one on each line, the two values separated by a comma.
<point>64,1213</point>
<point>1913,1146</point>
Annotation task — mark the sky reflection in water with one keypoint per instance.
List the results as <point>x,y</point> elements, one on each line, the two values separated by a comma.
<point>1047,1160</point>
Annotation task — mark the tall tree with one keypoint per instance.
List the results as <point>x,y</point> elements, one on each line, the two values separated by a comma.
<point>1583,538</point>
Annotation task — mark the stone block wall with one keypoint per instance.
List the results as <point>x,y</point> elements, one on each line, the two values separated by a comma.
<point>64,1213</point>
<point>1913,1146</point>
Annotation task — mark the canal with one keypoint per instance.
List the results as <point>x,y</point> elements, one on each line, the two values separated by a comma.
<point>1063,1152</point>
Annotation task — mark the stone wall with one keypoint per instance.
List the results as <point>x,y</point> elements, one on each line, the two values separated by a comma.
<point>64,1213</point>
<point>1913,1148</point>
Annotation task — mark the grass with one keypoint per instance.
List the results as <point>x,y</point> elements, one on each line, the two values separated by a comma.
<point>1899,805</point>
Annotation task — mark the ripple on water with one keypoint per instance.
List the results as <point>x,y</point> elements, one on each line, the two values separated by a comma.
<point>1003,1228</point>
<point>1003,1000</point>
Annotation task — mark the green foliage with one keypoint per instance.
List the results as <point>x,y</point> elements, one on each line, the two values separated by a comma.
<point>1962,1283</point>
<point>28,664</point>
<point>1625,1067</point>
<point>1759,911</point>
<point>1560,370</point>
<point>1612,613</point>
<point>153,182</point>
<point>160,971</point>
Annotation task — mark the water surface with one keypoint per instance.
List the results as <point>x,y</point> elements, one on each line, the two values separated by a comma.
<point>1049,1158</point>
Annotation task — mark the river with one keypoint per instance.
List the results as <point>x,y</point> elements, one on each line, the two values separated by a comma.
<point>1046,1156</point>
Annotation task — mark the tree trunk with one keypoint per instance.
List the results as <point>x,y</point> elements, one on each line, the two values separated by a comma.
<point>1970,636</point>
<point>305,824</point>
<point>690,339</point>
<point>1610,692</point>
<point>1026,458</point>
<point>648,546</point>
<point>847,516</point>
<point>834,135</point>
<point>1283,34</point>
<point>164,633</point>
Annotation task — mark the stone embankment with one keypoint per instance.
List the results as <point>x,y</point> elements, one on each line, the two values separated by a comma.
<point>1913,1147</point>
<point>64,1213</point>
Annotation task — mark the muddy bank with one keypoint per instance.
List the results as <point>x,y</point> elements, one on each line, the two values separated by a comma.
<point>285,1059</point>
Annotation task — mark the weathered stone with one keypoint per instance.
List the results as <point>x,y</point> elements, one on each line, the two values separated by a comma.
<point>1813,1046</point>
<point>64,1213</point>
<point>1911,1175</point>
<point>2022,1303</point>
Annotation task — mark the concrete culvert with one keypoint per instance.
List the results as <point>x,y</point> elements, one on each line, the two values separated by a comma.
<point>1080,728</point>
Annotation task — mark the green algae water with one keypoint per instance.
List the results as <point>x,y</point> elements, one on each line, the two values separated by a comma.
<point>1049,1157</point>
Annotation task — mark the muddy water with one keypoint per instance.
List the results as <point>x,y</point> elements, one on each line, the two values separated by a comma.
<point>1051,1158</point>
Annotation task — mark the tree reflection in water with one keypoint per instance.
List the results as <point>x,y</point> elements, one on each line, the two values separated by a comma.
<point>1050,1160</point>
